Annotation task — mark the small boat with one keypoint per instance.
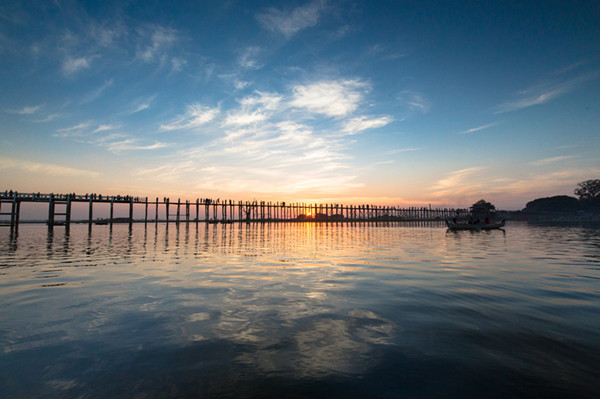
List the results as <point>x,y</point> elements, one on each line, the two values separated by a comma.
<point>478,226</point>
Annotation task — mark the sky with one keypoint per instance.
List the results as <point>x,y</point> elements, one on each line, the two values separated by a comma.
<point>356,102</point>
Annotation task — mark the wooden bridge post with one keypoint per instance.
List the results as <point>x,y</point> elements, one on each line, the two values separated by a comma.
<point>167,209</point>
<point>51,210</point>
<point>15,211</point>
<point>112,205</point>
<point>156,212</point>
<point>197,210</point>
<point>187,211</point>
<point>68,212</point>
<point>146,212</point>
<point>206,210</point>
<point>178,210</point>
<point>91,210</point>
<point>130,210</point>
<point>18,213</point>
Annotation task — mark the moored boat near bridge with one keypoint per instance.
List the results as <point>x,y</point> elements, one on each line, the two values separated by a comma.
<point>452,225</point>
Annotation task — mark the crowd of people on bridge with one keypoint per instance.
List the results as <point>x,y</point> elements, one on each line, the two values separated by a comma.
<point>74,196</point>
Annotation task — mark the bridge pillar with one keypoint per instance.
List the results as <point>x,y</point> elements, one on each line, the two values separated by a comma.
<point>68,212</point>
<point>112,207</point>
<point>90,212</point>
<point>156,213</point>
<point>14,212</point>
<point>167,209</point>
<point>130,210</point>
<point>51,208</point>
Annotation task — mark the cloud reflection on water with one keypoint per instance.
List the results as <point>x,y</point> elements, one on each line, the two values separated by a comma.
<point>299,302</point>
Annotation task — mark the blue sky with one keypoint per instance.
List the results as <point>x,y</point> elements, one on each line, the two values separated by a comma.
<point>403,103</point>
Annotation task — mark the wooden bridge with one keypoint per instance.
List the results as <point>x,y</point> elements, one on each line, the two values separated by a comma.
<point>211,211</point>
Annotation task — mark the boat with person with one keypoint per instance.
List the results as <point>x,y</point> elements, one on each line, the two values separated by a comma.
<point>487,225</point>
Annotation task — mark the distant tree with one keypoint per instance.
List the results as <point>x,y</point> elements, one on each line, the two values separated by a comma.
<point>588,191</point>
<point>559,203</point>
<point>482,207</point>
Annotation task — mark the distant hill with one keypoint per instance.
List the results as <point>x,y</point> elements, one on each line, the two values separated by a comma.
<point>558,203</point>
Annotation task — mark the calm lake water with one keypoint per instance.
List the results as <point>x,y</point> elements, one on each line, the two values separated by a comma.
<point>299,310</point>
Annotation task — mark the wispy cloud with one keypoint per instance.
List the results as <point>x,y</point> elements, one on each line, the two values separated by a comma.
<point>289,22</point>
<point>244,118</point>
<point>76,130</point>
<point>26,110</point>
<point>177,64</point>
<point>140,104</point>
<point>248,58</point>
<point>72,65</point>
<point>157,40</point>
<point>96,93</point>
<point>104,128</point>
<point>332,98</point>
<point>547,161</point>
<point>295,141</point>
<point>476,129</point>
<point>536,99</point>
<point>561,181</point>
<point>278,134</point>
<point>378,50</point>
<point>357,125</point>
<point>401,150</point>
<point>133,145</point>
<point>414,101</point>
<point>84,129</point>
<point>569,68</point>
<point>196,115</point>
<point>107,136</point>
<point>255,108</point>
<point>44,168</point>
<point>544,93</point>
<point>234,80</point>
<point>106,35</point>
<point>268,101</point>
<point>459,183</point>
<point>48,118</point>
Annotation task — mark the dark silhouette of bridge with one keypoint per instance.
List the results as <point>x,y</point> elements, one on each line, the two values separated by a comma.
<point>211,211</point>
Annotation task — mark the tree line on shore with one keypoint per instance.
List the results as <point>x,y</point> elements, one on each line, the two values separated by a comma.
<point>587,200</point>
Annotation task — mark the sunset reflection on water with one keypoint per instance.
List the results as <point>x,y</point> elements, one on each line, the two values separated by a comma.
<point>278,309</point>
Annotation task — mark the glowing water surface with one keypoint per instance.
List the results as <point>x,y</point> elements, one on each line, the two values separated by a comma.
<point>299,310</point>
